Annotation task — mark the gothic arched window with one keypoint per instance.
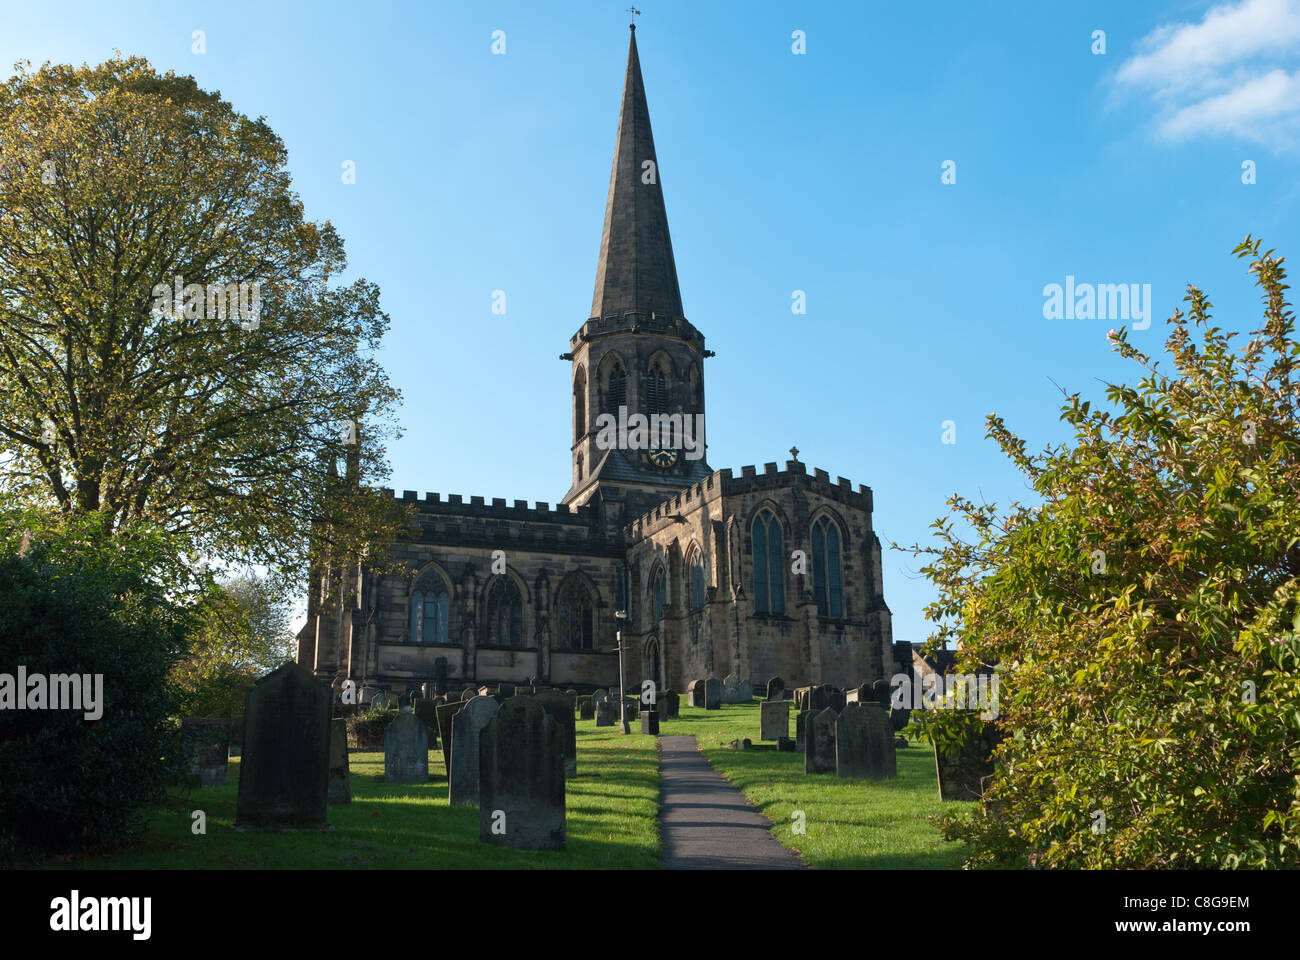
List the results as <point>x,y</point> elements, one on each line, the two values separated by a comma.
<point>769,565</point>
<point>617,388</point>
<point>696,566</point>
<point>505,613</point>
<point>656,391</point>
<point>658,595</point>
<point>580,405</point>
<point>827,583</point>
<point>575,613</point>
<point>429,603</point>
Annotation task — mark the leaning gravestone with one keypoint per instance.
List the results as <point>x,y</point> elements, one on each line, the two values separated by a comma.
<point>961,769</point>
<point>712,694</point>
<point>801,729</point>
<point>559,707</point>
<point>284,771</point>
<point>207,740</point>
<point>819,743</point>
<point>406,750</point>
<point>521,778</point>
<point>669,705</point>
<point>775,689</point>
<point>773,719</point>
<point>606,713</point>
<point>467,727</point>
<point>445,713</point>
<point>340,790</point>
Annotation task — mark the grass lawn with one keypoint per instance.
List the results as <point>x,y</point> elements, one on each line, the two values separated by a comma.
<point>612,812</point>
<point>851,824</point>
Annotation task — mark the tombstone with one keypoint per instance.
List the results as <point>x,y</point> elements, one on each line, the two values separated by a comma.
<point>712,694</point>
<point>731,688</point>
<point>817,699</point>
<point>467,726</point>
<point>406,750</point>
<point>669,705</point>
<point>695,694</point>
<point>650,722</point>
<point>819,742</point>
<point>835,700</point>
<point>961,768</point>
<point>633,708</point>
<point>785,745</point>
<point>284,772</point>
<point>468,694</point>
<point>207,739</point>
<point>586,709</point>
<point>606,713</point>
<point>446,711</point>
<point>599,695</point>
<point>775,689</point>
<point>800,728</point>
<point>521,778</point>
<point>427,711</point>
<point>802,696</point>
<point>864,744</point>
<point>880,693</point>
<point>559,707</point>
<point>340,788</point>
<point>773,719</point>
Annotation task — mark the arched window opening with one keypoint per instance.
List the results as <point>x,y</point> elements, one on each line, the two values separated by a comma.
<point>505,613</point>
<point>429,608</point>
<point>828,586</point>
<point>575,611</point>
<point>658,595</point>
<point>769,565</point>
<point>617,388</point>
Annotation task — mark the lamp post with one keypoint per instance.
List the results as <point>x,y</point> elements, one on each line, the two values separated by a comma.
<point>620,616</point>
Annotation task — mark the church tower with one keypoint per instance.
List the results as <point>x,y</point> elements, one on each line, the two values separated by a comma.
<point>637,355</point>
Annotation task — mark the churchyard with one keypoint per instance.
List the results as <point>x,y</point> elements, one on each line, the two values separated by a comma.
<point>610,800</point>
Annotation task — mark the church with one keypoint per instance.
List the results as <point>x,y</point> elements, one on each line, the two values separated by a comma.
<point>771,572</point>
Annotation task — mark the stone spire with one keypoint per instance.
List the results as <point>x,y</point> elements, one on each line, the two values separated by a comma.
<point>636,272</point>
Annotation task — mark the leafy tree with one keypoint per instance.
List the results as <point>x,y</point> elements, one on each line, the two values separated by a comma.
<point>242,633</point>
<point>163,407</point>
<point>1144,618</point>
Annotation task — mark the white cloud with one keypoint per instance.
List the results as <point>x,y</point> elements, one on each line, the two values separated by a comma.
<point>1224,76</point>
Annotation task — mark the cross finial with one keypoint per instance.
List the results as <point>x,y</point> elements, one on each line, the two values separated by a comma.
<point>635,13</point>
<point>794,452</point>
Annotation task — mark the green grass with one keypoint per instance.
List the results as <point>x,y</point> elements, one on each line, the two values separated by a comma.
<point>612,810</point>
<point>851,824</point>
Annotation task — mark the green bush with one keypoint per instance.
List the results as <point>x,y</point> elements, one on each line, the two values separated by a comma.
<point>75,600</point>
<point>367,729</point>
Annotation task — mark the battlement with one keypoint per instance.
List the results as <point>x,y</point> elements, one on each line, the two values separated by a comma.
<point>455,505</point>
<point>637,323</point>
<point>749,481</point>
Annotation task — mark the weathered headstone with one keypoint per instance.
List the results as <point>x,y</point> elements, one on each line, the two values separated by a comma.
<point>207,740</point>
<point>284,771</point>
<point>446,711</point>
<point>340,789</point>
<point>775,689</point>
<point>712,694</point>
<point>880,741</point>
<point>406,750</point>
<point>468,694</point>
<point>962,769</point>
<point>467,726</point>
<point>695,694</point>
<point>586,709</point>
<point>521,778</point>
<point>801,729</point>
<point>669,705</point>
<point>599,695</point>
<point>819,742</point>
<point>427,711</point>
<point>857,753</point>
<point>559,707</point>
<point>606,713</point>
<point>650,722</point>
<point>773,719</point>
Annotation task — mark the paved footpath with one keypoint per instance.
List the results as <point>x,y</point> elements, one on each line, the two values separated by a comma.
<point>707,823</point>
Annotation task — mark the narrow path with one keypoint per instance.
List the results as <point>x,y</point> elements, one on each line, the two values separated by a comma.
<point>707,823</point>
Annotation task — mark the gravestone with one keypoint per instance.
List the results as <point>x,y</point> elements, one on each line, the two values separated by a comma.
<point>773,719</point>
<point>818,699</point>
<point>521,778</point>
<point>864,744</point>
<point>819,742</point>
<point>695,694</point>
<point>650,722</point>
<point>669,705</point>
<point>340,789</point>
<point>468,694</point>
<point>801,729</point>
<point>467,726</point>
<point>599,695</point>
<point>207,740</point>
<point>406,750</point>
<point>606,713</point>
<point>446,711</point>
<point>961,769</point>
<point>586,709</point>
<point>712,694</point>
<point>559,707</point>
<point>633,708</point>
<point>775,689</point>
<point>802,697</point>
<point>835,700</point>
<point>785,745</point>
<point>284,771</point>
<point>881,693</point>
<point>427,711</point>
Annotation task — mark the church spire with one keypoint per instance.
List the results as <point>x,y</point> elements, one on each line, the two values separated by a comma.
<point>636,272</point>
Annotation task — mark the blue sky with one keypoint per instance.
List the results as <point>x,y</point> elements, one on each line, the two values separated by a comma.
<point>818,172</point>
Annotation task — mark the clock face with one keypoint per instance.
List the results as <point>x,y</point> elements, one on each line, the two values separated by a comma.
<point>662,458</point>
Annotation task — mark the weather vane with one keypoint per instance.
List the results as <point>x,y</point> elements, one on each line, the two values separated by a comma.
<point>635,13</point>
